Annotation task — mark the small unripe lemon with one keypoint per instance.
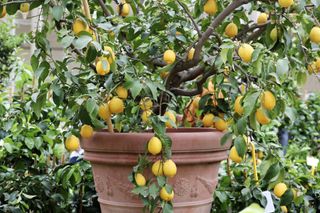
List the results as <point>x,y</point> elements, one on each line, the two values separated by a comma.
<point>234,156</point>
<point>245,52</point>
<point>164,195</point>
<point>237,105</point>
<point>103,67</point>
<point>315,35</point>
<point>116,105</point>
<point>191,54</point>
<point>79,25</point>
<point>195,102</point>
<point>111,57</point>
<point>207,120</point>
<point>140,179</point>
<point>24,7</point>
<point>169,168</point>
<point>261,117</point>
<point>157,168</point>
<point>284,209</point>
<point>221,124</point>
<point>146,103</point>
<point>72,143</point>
<point>154,146</point>
<point>169,56</point>
<point>4,12</point>
<point>262,18</point>
<point>86,131</point>
<point>285,3</point>
<point>172,118</point>
<point>122,92</point>
<point>268,100</point>
<point>280,189</point>
<point>210,7</point>
<point>104,111</point>
<point>231,30</point>
<point>145,115</point>
<point>274,34</point>
<point>164,74</point>
<point>125,10</point>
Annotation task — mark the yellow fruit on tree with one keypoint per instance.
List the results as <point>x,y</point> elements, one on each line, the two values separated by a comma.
<point>102,66</point>
<point>315,35</point>
<point>312,68</point>
<point>280,189</point>
<point>154,145</point>
<point>210,7</point>
<point>169,56</point>
<point>294,192</point>
<point>164,74</point>
<point>262,18</point>
<point>122,92</point>
<point>237,105</point>
<point>221,124</point>
<point>169,168</point>
<point>191,54</point>
<point>234,156</point>
<point>86,131</point>
<point>4,12</point>
<point>111,57</point>
<point>285,3</point>
<point>24,7</point>
<point>116,105</point>
<point>140,179</point>
<point>207,120</point>
<point>268,100</point>
<point>231,30</point>
<point>164,195</point>
<point>72,143</point>
<point>157,168</point>
<point>318,64</point>
<point>146,103</point>
<point>195,102</point>
<point>274,34</point>
<point>172,118</point>
<point>245,52</point>
<point>104,111</point>
<point>261,117</point>
<point>79,25</point>
<point>260,155</point>
<point>145,116</point>
<point>124,10</point>
<point>284,209</point>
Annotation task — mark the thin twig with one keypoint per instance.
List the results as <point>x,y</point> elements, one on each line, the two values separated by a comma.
<point>191,18</point>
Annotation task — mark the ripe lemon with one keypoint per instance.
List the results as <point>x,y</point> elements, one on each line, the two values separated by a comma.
<point>169,168</point>
<point>318,64</point>
<point>140,179</point>
<point>294,192</point>
<point>284,209</point>
<point>86,131</point>
<point>102,66</point>
<point>261,117</point>
<point>125,10</point>
<point>116,105</point>
<point>285,3</point>
<point>280,189</point>
<point>72,143</point>
<point>312,68</point>
<point>157,168</point>
<point>231,30</point>
<point>164,195</point>
<point>4,12</point>
<point>172,117</point>
<point>268,100</point>
<point>24,7</point>
<point>260,155</point>
<point>274,34</point>
<point>207,120</point>
<point>262,18</point>
<point>169,56</point>
<point>245,52</point>
<point>315,35</point>
<point>104,111</point>
<point>111,57</point>
<point>79,25</point>
<point>195,102</point>
<point>237,105</point>
<point>210,7</point>
<point>154,146</point>
<point>122,92</point>
<point>234,156</point>
<point>145,115</point>
<point>191,54</point>
<point>146,103</point>
<point>221,125</point>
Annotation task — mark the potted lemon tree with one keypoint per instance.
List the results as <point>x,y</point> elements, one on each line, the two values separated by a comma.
<point>156,90</point>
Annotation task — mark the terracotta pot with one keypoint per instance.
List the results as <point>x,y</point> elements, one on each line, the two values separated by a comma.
<point>196,151</point>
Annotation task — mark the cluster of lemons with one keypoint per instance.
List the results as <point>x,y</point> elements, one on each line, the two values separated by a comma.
<point>24,8</point>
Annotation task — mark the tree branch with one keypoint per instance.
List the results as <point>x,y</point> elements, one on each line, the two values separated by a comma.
<point>250,28</point>
<point>104,8</point>
<point>191,74</point>
<point>253,36</point>
<point>191,18</point>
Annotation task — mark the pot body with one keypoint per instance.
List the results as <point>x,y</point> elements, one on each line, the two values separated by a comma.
<point>196,151</point>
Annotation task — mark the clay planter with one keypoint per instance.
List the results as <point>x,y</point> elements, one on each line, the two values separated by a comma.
<point>196,151</point>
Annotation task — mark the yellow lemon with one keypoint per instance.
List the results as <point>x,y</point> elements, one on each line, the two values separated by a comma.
<point>261,117</point>
<point>86,131</point>
<point>285,3</point>
<point>221,125</point>
<point>169,168</point>
<point>154,146</point>
<point>169,56</point>
<point>284,209</point>
<point>79,25</point>
<point>274,34</point>
<point>191,54</point>
<point>195,102</point>
<point>318,64</point>
<point>157,168</point>
<point>72,143</point>
<point>268,100</point>
<point>4,12</point>
<point>231,30</point>
<point>140,179</point>
<point>146,103</point>
<point>24,7</point>
<point>102,67</point>
<point>104,111</point>
<point>111,57</point>
<point>234,156</point>
<point>294,192</point>
<point>145,116</point>
<point>122,92</point>
<point>172,118</point>
<point>245,52</point>
<point>210,7</point>
<point>260,155</point>
<point>237,105</point>
<point>164,195</point>
<point>116,105</point>
<point>315,35</point>
<point>262,18</point>
<point>312,68</point>
<point>280,189</point>
<point>207,120</point>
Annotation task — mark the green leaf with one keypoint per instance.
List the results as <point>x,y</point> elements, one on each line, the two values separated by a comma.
<point>249,102</point>
<point>8,147</point>
<point>91,54</point>
<point>168,208</point>
<point>141,190</point>
<point>225,138</point>
<point>242,125</point>
<point>67,41</point>
<point>29,143</point>
<point>287,198</point>
<point>135,87</point>
<point>82,41</point>
<point>161,181</point>
<point>282,67</point>
<point>57,12</point>
<point>240,145</point>
<point>91,106</point>
<point>153,190</point>
<point>272,172</point>
<point>153,89</point>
